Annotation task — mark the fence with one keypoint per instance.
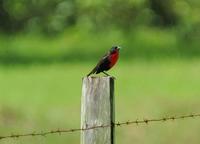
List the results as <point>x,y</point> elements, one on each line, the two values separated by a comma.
<point>118,124</point>
<point>98,114</point>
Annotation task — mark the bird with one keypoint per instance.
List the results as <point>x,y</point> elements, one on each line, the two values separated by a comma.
<point>107,61</point>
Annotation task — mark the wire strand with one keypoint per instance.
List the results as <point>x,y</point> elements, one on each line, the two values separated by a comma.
<point>118,124</point>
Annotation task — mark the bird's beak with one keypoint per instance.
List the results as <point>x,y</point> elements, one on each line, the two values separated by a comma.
<point>119,48</point>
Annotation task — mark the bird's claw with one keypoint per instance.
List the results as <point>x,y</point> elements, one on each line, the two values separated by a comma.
<point>109,75</point>
<point>106,73</point>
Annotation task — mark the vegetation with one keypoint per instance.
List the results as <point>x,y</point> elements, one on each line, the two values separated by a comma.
<point>47,46</point>
<point>66,30</point>
<point>36,98</point>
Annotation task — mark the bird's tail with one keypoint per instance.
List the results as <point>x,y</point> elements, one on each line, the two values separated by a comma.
<point>92,72</point>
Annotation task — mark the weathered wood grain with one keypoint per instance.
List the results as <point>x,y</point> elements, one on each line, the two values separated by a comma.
<point>97,109</point>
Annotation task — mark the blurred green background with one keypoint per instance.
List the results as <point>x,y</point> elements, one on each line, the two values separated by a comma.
<point>47,46</point>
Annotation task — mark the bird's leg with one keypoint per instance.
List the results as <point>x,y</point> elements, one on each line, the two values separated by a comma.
<point>106,73</point>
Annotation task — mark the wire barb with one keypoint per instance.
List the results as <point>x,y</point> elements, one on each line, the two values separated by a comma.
<point>118,124</point>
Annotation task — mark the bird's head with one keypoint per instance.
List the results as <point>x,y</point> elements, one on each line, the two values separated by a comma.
<point>114,49</point>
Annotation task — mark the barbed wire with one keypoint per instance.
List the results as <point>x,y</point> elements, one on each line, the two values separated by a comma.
<point>118,124</point>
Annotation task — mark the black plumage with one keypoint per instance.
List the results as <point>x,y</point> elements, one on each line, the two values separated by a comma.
<point>103,65</point>
<point>107,61</point>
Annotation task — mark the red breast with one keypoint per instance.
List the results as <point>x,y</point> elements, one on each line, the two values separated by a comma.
<point>113,58</point>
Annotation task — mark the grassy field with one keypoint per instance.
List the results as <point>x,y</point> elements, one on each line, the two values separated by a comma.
<point>79,44</point>
<point>45,97</point>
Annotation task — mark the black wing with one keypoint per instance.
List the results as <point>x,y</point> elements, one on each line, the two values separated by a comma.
<point>102,65</point>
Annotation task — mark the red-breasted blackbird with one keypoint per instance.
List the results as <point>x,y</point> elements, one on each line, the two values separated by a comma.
<point>107,61</point>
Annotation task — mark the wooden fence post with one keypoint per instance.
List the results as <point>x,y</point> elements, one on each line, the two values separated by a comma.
<point>97,109</point>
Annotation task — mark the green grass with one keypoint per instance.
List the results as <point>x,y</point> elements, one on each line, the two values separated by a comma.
<point>45,97</point>
<point>80,44</point>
